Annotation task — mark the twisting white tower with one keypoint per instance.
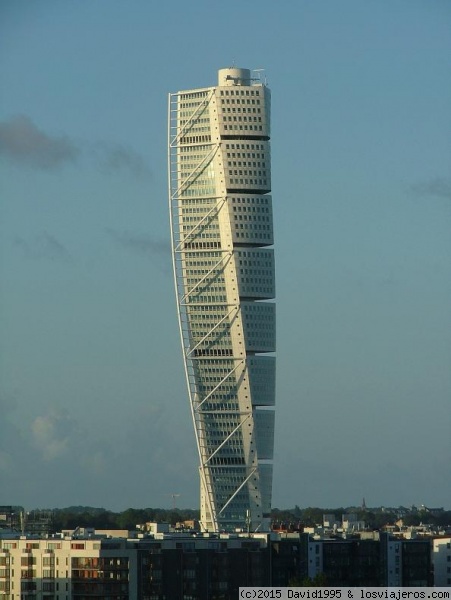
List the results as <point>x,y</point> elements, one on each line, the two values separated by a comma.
<point>222,230</point>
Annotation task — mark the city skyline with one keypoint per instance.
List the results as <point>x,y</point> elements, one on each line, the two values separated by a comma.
<point>92,390</point>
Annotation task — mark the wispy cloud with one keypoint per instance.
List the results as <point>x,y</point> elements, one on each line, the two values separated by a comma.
<point>50,434</point>
<point>139,243</point>
<point>23,143</point>
<point>88,463</point>
<point>437,186</point>
<point>44,246</point>
<point>117,157</point>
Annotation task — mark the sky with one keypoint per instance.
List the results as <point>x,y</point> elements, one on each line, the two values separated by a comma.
<point>93,401</point>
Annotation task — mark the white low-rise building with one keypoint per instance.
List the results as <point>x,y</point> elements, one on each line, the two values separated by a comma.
<point>64,568</point>
<point>441,561</point>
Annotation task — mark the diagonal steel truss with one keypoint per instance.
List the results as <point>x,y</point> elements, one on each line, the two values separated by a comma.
<point>185,296</point>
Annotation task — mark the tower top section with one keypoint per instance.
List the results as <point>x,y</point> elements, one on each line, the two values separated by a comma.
<point>234,76</point>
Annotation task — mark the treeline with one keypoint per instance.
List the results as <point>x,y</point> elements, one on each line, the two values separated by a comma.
<point>373,518</point>
<point>99,518</point>
<point>295,518</point>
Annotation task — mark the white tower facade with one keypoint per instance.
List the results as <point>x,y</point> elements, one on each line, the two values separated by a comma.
<point>222,237</point>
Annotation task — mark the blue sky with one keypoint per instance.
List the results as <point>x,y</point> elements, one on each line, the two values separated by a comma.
<point>93,401</point>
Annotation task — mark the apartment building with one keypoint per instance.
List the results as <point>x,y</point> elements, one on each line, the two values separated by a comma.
<point>196,567</point>
<point>441,559</point>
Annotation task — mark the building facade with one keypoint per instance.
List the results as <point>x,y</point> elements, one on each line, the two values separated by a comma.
<point>55,568</point>
<point>213,566</point>
<point>441,558</point>
<point>222,237</point>
<point>152,568</point>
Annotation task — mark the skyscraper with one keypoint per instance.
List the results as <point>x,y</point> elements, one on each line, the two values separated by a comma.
<point>222,233</point>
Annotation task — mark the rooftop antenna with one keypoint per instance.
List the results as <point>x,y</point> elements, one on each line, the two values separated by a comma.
<point>23,521</point>
<point>248,522</point>
<point>174,500</point>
